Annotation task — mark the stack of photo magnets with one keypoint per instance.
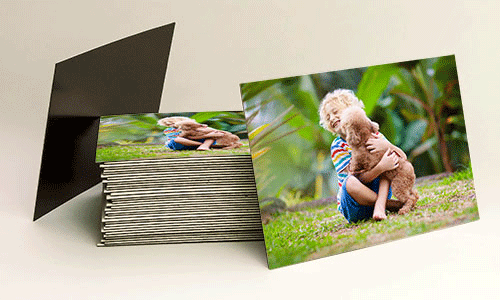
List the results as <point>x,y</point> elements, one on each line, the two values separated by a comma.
<point>179,200</point>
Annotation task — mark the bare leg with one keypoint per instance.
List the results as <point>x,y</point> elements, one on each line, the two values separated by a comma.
<point>383,192</point>
<point>206,145</point>
<point>365,196</point>
<point>186,142</point>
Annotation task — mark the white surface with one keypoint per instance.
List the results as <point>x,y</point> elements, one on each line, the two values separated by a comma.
<point>217,45</point>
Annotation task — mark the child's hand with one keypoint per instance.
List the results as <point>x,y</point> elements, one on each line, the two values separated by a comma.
<point>376,143</point>
<point>389,161</point>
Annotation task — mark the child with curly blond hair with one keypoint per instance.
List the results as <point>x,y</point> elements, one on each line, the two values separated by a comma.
<point>176,142</point>
<point>367,194</point>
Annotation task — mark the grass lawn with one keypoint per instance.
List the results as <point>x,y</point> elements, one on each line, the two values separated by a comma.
<point>130,152</point>
<point>293,237</point>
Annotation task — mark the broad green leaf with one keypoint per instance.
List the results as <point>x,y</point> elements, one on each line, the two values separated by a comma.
<point>424,84</point>
<point>300,92</point>
<point>250,90</point>
<point>413,134</point>
<point>239,128</point>
<point>387,127</point>
<point>405,82</point>
<point>374,83</point>
<point>204,116</point>
<point>301,121</point>
<point>398,127</point>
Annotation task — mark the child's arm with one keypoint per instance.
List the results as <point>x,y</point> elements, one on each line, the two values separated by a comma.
<point>378,143</point>
<point>389,161</point>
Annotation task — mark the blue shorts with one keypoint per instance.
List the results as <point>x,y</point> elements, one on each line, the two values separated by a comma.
<point>172,144</point>
<point>352,210</point>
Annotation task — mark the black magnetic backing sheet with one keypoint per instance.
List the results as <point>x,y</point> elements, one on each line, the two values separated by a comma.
<point>123,77</point>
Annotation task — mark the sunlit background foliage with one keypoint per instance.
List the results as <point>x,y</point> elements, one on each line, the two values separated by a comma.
<point>417,103</point>
<point>143,128</point>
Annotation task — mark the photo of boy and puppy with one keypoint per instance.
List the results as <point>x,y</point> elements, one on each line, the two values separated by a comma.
<point>139,136</point>
<point>349,159</point>
<point>366,163</point>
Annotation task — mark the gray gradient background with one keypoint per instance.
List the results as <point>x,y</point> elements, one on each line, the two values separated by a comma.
<point>216,46</point>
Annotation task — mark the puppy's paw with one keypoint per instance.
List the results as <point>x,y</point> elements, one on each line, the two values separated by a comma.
<point>404,210</point>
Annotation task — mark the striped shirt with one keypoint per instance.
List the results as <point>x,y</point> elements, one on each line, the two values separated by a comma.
<point>341,156</point>
<point>171,133</point>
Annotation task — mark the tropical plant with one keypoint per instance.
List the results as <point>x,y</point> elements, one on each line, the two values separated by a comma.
<point>128,129</point>
<point>420,111</point>
<point>290,150</point>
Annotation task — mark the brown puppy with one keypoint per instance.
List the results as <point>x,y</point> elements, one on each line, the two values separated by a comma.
<point>196,131</point>
<point>357,128</point>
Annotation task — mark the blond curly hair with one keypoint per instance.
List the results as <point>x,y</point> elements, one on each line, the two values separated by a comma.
<point>333,104</point>
<point>170,121</point>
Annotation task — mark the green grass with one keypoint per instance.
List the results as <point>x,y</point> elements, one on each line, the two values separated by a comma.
<point>130,152</point>
<point>293,237</point>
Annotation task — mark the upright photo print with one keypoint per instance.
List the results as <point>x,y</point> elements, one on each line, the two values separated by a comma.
<point>349,159</point>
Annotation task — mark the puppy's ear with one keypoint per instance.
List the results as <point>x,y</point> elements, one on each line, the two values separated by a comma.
<point>375,127</point>
<point>352,137</point>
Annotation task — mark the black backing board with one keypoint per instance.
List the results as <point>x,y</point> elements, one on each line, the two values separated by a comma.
<point>123,77</point>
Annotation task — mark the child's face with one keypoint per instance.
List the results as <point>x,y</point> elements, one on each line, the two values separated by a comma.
<point>335,116</point>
